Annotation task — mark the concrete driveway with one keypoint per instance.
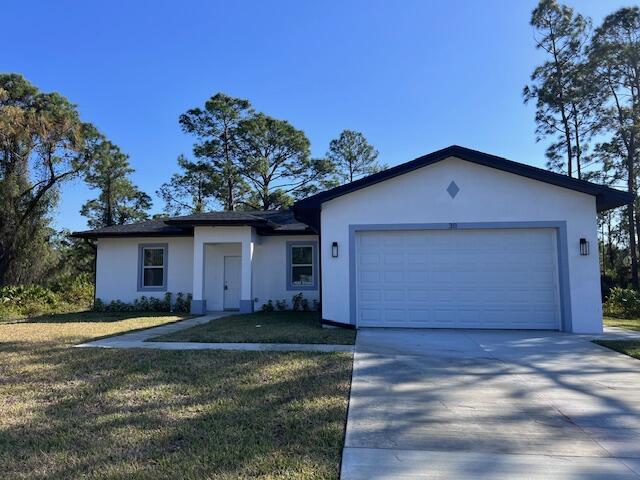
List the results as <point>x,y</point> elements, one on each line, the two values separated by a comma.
<point>498,405</point>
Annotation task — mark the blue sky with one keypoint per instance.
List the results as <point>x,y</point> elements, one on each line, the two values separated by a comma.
<point>413,75</point>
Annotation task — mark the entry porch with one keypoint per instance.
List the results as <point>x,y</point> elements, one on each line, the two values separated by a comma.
<point>223,269</point>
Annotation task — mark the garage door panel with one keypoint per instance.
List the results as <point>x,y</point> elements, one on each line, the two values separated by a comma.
<point>369,277</point>
<point>458,279</point>
<point>394,295</point>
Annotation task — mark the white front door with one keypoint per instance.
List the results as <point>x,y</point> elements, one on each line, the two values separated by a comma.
<point>458,279</point>
<point>231,283</point>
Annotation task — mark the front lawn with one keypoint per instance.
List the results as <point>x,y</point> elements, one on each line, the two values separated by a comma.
<point>629,323</point>
<point>628,347</point>
<point>96,413</point>
<point>264,327</point>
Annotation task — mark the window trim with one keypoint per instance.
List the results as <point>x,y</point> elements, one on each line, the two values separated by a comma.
<point>314,265</point>
<point>165,266</point>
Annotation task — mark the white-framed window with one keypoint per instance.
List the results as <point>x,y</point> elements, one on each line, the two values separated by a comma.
<point>301,265</point>
<point>152,267</point>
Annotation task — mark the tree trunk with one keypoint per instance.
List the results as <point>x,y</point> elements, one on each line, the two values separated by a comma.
<point>6,256</point>
<point>631,219</point>
<point>109,220</point>
<point>609,243</point>
<point>576,133</point>
<point>230,199</point>
<point>632,246</point>
<point>559,74</point>
<point>603,255</point>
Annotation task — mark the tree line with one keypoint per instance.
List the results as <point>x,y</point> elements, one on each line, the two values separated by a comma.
<point>587,99</point>
<point>586,95</point>
<point>247,160</point>
<point>242,160</point>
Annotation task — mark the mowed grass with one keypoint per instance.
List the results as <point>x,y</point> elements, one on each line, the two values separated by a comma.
<point>628,347</point>
<point>264,327</point>
<point>629,323</point>
<point>145,414</point>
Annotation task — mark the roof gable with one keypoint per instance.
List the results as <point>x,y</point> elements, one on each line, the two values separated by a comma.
<point>606,197</point>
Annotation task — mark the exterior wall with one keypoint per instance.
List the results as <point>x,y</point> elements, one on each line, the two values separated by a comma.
<point>486,195</point>
<point>270,270</point>
<point>117,267</point>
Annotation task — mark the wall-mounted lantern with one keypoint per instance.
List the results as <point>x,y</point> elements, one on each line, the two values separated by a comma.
<point>584,246</point>
<point>334,249</point>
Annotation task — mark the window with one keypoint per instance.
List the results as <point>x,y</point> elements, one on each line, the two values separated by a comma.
<point>152,267</point>
<point>301,258</point>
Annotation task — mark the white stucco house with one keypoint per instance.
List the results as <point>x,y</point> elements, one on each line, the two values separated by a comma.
<point>453,239</point>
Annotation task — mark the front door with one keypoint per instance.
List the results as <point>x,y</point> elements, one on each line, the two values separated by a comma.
<point>231,283</point>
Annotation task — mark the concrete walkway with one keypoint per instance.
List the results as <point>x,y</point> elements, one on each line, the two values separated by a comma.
<point>491,405</point>
<point>140,339</point>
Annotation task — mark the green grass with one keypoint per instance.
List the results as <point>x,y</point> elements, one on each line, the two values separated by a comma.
<point>628,347</point>
<point>150,414</point>
<point>264,327</point>
<point>629,323</point>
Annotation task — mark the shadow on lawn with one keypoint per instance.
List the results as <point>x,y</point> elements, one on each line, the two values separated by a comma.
<point>150,414</point>
<point>87,316</point>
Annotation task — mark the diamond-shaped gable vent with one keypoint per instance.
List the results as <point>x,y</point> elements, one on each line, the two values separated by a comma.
<point>453,189</point>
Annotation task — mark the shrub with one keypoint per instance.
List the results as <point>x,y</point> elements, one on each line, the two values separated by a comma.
<point>622,302</point>
<point>182,304</point>
<point>296,302</point>
<point>281,305</point>
<point>316,305</point>
<point>268,307</point>
<point>20,300</point>
<point>69,294</point>
<point>77,290</point>
<point>146,304</point>
<point>159,305</point>
<point>141,304</point>
<point>119,306</point>
<point>98,305</point>
<point>304,303</point>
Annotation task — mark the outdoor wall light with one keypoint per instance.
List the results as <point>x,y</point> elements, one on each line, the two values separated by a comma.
<point>584,246</point>
<point>334,249</point>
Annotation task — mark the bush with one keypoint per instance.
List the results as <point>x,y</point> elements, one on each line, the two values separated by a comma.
<point>182,303</point>
<point>268,307</point>
<point>296,302</point>
<point>77,290</point>
<point>304,303</point>
<point>147,304</point>
<point>71,294</point>
<point>622,302</point>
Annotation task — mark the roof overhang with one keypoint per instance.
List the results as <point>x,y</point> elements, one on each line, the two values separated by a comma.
<point>90,234</point>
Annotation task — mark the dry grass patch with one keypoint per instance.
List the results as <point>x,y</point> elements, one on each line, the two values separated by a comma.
<point>93,413</point>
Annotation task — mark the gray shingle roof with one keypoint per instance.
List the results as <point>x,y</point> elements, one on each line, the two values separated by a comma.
<point>146,228</point>
<point>276,221</point>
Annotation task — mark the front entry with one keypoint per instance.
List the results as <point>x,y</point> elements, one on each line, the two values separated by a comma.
<point>231,283</point>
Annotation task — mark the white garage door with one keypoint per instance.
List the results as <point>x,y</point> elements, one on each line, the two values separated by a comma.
<point>458,279</point>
